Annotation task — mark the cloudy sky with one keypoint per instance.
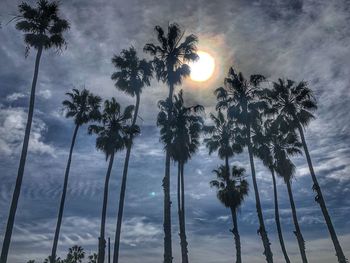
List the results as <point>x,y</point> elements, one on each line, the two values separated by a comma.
<point>302,40</point>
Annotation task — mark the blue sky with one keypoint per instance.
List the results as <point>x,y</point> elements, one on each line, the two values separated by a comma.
<point>301,40</point>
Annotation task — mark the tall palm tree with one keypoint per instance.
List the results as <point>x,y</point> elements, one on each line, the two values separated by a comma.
<point>83,107</point>
<point>263,151</point>
<point>295,102</point>
<point>224,137</point>
<point>231,191</point>
<point>185,131</point>
<point>170,58</point>
<point>241,99</point>
<point>282,144</point>
<point>43,29</point>
<point>112,136</point>
<point>132,76</point>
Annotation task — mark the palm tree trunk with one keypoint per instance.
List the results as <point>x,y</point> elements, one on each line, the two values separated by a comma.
<point>63,198</point>
<point>277,218</point>
<point>297,231</point>
<point>183,238</point>
<point>102,240</point>
<point>123,188</point>
<point>320,200</point>
<point>168,258</point>
<point>236,235</point>
<point>179,205</point>
<point>262,229</point>
<point>17,190</point>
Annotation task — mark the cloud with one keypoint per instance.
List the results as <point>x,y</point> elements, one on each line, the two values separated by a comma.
<point>46,93</point>
<point>15,96</point>
<point>12,126</point>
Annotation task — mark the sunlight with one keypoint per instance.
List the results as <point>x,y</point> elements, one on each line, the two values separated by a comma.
<point>202,69</point>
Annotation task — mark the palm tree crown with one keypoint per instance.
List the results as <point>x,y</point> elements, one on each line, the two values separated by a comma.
<point>76,254</point>
<point>83,106</point>
<point>224,136</point>
<point>185,128</point>
<point>293,101</point>
<point>134,74</point>
<point>171,56</point>
<point>274,145</point>
<point>42,26</point>
<point>241,99</point>
<point>231,188</point>
<point>113,135</point>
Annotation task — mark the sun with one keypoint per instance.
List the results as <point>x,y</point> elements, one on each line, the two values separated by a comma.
<point>203,68</point>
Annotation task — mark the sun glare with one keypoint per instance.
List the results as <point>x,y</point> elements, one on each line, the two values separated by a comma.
<point>203,68</point>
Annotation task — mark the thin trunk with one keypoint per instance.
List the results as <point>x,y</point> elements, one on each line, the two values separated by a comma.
<point>277,218</point>
<point>63,197</point>
<point>320,200</point>
<point>109,250</point>
<point>183,238</point>
<point>168,258</point>
<point>17,190</point>
<point>262,229</point>
<point>236,235</point>
<point>123,187</point>
<point>297,231</point>
<point>179,204</point>
<point>102,240</point>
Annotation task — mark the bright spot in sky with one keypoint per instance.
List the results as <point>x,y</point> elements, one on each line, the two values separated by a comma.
<point>153,194</point>
<point>203,68</point>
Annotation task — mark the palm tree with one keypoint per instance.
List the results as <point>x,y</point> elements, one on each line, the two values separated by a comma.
<point>92,258</point>
<point>83,106</point>
<point>241,99</point>
<point>133,75</point>
<point>185,131</point>
<point>170,58</point>
<point>231,191</point>
<point>43,29</point>
<point>112,136</point>
<point>282,144</point>
<point>295,103</point>
<point>262,149</point>
<point>224,137</point>
<point>76,254</point>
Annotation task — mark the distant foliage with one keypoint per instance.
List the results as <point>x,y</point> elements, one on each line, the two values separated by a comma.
<point>76,254</point>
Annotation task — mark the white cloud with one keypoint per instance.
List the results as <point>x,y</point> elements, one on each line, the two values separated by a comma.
<point>46,93</point>
<point>137,230</point>
<point>12,127</point>
<point>15,96</point>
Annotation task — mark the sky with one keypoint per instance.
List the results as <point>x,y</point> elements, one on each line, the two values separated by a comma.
<point>300,40</point>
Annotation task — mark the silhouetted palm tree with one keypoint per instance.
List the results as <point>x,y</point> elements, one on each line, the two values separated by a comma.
<point>170,58</point>
<point>231,191</point>
<point>92,258</point>
<point>83,107</point>
<point>240,97</point>
<point>112,136</point>
<point>133,75</point>
<point>263,151</point>
<point>224,137</point>
<point>43,29</point>
<point>76,254</point>
<point>282,144</point>
<point>184,141</point>
<point>295,103</point>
